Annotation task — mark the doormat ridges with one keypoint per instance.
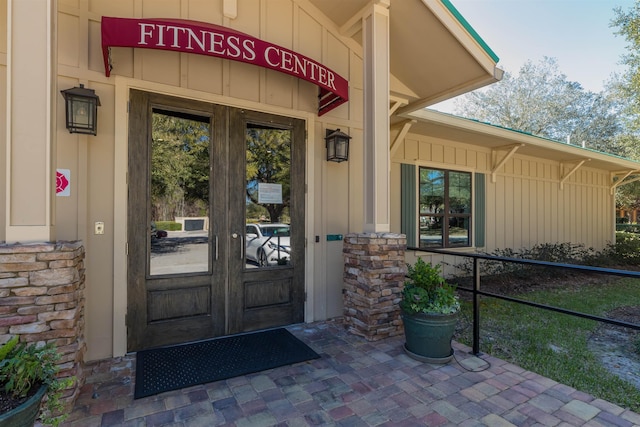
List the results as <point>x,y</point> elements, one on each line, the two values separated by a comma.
<point>176,367</point>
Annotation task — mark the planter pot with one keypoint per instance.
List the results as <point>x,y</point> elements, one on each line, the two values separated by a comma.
<point>24,415</point>
<point>428,336</point>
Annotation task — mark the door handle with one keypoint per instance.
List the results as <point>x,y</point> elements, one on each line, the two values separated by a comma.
<point>235,236</point>
<point>216,247</point>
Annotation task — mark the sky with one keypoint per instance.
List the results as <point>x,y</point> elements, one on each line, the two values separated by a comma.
<point>575,32</point>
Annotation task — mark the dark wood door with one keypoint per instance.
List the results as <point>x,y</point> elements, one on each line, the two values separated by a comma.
<point>267,155</point>
<point>195,164</point>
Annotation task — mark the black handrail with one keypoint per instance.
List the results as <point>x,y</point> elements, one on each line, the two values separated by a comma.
<point>477,292</point>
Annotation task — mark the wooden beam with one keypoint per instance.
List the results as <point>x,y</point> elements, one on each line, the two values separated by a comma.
<point>572,171</point>
<point>406,125</point>
<point>629,181</point>
<point>354,24</point>
<point>621,181</point>
<point>396,102</point>
<point>394,107</point>
<point>494,153</point>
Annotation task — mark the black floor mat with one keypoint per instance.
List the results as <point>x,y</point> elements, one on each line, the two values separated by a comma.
<point>172,368</point>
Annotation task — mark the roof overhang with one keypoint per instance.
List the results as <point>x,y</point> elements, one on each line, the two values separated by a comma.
<point>434,53</point>
<point>453,128</point>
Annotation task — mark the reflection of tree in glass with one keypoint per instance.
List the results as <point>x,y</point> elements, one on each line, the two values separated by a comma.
<point>445,207</point>
<point>268,161</point>
<point>431,191</point>
<point>179,166</point>
<point>459,192</point>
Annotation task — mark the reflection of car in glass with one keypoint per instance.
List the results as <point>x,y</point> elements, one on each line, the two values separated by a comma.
<point>159,234</point>
<point>268,244</point>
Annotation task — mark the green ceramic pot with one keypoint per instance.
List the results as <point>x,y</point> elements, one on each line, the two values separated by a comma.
<point>24,415</point>
<point>428,336</point>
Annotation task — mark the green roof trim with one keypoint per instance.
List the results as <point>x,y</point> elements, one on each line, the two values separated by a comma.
<point>470,29</point>
<point>543,138</point>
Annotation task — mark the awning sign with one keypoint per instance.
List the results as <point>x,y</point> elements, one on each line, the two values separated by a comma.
<point>213,40</point>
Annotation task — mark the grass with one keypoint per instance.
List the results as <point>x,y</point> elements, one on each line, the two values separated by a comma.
<point>168,225</point>
<point>553,344</point>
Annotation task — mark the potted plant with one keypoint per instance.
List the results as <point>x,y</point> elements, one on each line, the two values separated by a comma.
<point>27,376</point>
<point>429,309</point>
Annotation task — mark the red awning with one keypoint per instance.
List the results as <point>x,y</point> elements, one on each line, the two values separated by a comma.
<point>213,40</point>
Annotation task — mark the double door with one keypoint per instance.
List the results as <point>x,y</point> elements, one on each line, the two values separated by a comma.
<point>215,221</point>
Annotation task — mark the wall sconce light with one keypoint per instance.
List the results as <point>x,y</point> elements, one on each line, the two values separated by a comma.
<point>81,107</point>
<point>337,145</point>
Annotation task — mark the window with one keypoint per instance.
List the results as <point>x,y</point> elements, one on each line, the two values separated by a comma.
<point>444,208</point>
<point>436,210</point>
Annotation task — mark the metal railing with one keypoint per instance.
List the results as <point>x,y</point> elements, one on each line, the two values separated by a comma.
<point>476,292</point>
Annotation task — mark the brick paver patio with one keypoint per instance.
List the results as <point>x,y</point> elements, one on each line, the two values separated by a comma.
<point>354,383</point>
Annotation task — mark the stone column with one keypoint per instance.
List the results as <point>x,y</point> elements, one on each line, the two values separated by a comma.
<point>42,300</point>
<point>374,273</point>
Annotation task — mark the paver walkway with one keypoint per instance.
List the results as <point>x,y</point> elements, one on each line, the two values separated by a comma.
<point>354,383</point>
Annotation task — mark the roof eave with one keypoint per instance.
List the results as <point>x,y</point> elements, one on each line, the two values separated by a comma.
<point>556,149</point>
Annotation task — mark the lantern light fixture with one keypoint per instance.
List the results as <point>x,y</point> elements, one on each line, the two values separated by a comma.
<point>81,106</point>
<point>337,145</point>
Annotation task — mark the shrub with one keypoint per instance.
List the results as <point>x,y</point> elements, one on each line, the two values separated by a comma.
<point>626,251</point>
<point>26,366</point>
<point>426,291</point>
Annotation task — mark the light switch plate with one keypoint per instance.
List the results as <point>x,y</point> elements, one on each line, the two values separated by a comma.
<point>99,227</point>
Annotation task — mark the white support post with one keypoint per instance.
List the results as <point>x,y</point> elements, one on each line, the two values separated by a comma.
<point>30,118</point>
<point>376,119</point>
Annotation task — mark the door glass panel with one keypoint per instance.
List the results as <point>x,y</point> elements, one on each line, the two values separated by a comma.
<point>268,184</point>
<point>179,193</point>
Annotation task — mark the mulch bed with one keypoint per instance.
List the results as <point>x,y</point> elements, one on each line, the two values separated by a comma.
<point>532,280</point>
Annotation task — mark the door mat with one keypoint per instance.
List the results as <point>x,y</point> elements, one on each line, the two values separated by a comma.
<point>176,367</point>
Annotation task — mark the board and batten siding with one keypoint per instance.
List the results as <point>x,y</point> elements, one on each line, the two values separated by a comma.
<point>526,205</point>
<point>93,161</point>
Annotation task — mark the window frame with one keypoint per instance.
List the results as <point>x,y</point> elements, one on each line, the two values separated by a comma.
<point>446,215</point>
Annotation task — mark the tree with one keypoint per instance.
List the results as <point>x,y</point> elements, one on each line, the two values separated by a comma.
<point>541,101</point>
<point>268,162</point>
<point>179,167</point>
<point>628,24</point>
<point>627,88</point>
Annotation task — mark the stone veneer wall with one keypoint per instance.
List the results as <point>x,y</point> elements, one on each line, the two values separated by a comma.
<point>374,274</point>
<point>42,300</point>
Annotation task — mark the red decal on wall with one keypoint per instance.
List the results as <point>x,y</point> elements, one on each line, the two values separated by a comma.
<point>61,182</point>
<point>213,40</point>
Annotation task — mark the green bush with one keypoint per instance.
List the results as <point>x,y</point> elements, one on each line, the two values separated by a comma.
<point>25,366</point>
<point>551,252</point>
<point>628,228</point>
<point>168,225</point>
<point>426,291</point>
<point>624,252</point>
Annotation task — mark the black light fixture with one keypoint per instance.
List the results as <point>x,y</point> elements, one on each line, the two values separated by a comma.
<point>81,107</point>
<point>337,145</point>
